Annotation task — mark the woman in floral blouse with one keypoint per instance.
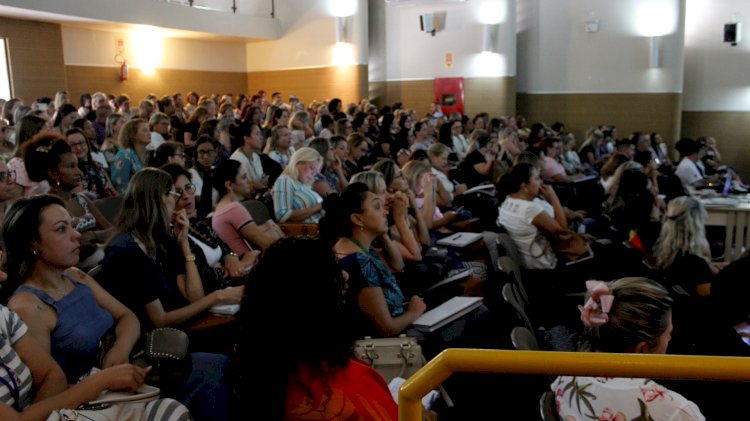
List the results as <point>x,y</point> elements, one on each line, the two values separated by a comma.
<point>630,315</point>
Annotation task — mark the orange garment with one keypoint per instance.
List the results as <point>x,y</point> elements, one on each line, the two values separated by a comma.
<point>355,392</point>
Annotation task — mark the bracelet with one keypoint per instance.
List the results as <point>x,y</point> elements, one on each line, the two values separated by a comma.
<point>189,258</point>
<point>231,253</point>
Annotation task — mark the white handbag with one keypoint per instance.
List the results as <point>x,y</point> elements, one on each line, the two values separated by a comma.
<point>391,357</point>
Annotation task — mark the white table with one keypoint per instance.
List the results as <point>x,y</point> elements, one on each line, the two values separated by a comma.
<point>735,219</point>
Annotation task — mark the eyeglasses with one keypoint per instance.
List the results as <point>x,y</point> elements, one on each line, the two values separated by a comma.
<point>78,144</point>
<point>7,175</point>
<point>174,194</point>
<point>189,189</point>
<point>206,151</point>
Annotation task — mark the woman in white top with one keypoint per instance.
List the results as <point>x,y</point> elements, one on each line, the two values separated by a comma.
<point>524,215</point>
<point>629,315</point>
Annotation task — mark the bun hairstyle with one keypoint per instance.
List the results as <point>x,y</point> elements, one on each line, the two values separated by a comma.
<point>639,313</point>
<point>42,154</point>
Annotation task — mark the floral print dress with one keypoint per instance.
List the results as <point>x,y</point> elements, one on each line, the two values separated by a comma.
<point>620,399</point>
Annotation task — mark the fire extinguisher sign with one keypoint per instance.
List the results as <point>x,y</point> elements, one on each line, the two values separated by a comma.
<point>448,60</point>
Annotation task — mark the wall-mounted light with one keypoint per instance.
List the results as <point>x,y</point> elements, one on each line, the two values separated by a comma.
<point>654,55</point>
<point>344,29</point>
<point>489,41</point>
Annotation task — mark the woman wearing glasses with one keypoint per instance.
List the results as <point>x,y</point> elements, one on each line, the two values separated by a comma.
<point>149,264</point>
<point>94,178</point>
<point>9,190</point>
<point>217,264</point>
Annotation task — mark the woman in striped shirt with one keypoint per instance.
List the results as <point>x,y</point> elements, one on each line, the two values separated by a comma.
<point>294,200</point>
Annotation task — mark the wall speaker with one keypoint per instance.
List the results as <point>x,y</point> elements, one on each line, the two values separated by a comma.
<point>733,33</point>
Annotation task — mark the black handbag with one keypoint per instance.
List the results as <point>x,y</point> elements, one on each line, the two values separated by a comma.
<point>166,351</point>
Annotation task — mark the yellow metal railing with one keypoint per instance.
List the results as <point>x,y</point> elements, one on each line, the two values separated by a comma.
<point>549,363</point>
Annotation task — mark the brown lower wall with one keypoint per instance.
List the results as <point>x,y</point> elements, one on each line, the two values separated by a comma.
<point>36,57</point>
<point>349,83</point>
<point>628,112</point>
<point>731,132</point>
<point>496,96</point>
<point>163,82</point>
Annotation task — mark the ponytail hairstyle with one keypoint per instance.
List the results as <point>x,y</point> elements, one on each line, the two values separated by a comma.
<point>337,223</point>
<point>639,312</point>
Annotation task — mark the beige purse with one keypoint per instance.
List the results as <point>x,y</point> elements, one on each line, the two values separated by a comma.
<point>391,357</point>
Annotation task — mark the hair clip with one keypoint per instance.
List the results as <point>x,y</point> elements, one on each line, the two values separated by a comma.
<point>43,149</point>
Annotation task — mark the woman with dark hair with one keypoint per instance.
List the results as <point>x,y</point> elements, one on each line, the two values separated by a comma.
<point>51,159</point>
<point>385,140</point>
<point>445,135</point>
<point>190,130</point>
<point>168,289</point>
<point>231,221</point>
<point>524,215</point>
<point>479,163</point>
<point>27,128</point>
<point>207,247</point>
<point>355,222</point>
<point>64,118</point>
<point>94,178</point>
<point>633,211</point>
<point>67,313</point>
<point>85,108</point>
<point>260,169</point>
<point>322,381</point>
<point>41,246</point>
<point>150,268</point>
<point>629,315</point>
<point>352,222</point>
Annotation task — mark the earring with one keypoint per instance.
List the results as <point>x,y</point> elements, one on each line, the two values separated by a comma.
<point>34,252</point>
<point>361,228</point>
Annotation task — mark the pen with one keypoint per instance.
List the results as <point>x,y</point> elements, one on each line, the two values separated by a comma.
<point>457,236</point>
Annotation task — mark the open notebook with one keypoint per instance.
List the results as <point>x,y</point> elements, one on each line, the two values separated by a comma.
<point>446,313</point>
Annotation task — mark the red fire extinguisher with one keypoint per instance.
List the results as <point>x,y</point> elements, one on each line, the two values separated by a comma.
<point>124,71</point>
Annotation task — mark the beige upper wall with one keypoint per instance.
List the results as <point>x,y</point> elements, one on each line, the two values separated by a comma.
<point>309,38</point>
<point>89,47</point>
<point>36,57</point>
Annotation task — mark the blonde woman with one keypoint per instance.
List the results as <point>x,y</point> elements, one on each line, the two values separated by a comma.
<point>300,125</point>
<point>424,183</point>
<point>682,250</point>
<point>280,147</point>
<point>294,200</point>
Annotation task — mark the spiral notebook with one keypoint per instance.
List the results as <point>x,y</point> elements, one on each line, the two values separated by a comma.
<point>447,312</point>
